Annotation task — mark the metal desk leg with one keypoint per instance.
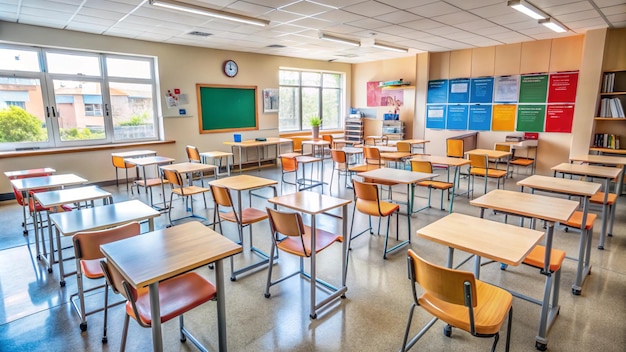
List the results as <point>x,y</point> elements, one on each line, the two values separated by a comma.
<point>155,311</point>
<point>313,313</point>
<point>581,267</point>
<point>604,214</point>
<point>221,307</point>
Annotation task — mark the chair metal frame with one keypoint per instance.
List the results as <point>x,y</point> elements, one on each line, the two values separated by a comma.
<point>479,166</point>
<point>339,158</point>
<point>427,167</point>
<point>178,187</point>
<point>120,163</point>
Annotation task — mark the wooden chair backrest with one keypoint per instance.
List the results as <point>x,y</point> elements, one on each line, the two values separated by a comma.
<point>404,147</point>
<point>289,164</point>
<point>328,138</point>
<point>369,141</point>
<point>221,196</point>
<point>87,244</point>
<point>339,156</point>
<point>454,148</point>
<point>477,160</point>
<point>192,153</point>
<point>174,177</point>
<point>116,281</point>
<point>372,155</point>
<point>286,223</point>
<point>502,147</point>
<point>119,162</point>
<point>365,191</point>
<point>445,284</point>
<point>421,166</point>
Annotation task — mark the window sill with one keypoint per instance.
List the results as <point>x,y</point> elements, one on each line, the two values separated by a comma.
<point>49,151</point>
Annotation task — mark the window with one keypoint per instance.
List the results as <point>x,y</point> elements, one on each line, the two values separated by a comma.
<point>306,94</point>
<point>58,98</point>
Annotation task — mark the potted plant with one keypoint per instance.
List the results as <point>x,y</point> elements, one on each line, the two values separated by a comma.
<point>315,123</point>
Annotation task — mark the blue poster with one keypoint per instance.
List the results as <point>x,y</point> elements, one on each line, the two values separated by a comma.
<point>437,91</point>
<point>459,91</point>
<point>435,116</point>
<point>480,117</point>
<point>456,119</point>
<point>481,90</point>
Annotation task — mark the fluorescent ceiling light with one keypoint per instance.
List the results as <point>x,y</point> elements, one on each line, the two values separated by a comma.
<point>553,25</point>
<point>527,9</point>
<point>390,47</point>
<point>339,40</point>
<point>199,10</point>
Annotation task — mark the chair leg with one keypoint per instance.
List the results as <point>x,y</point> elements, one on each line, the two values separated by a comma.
<point>408,327</point>
<point>124,333</point>
<point>126,173</point>
<point>169,209</point>
<point>269,271</point>
<point>81,297</point>
<point>106,311</point>
<point>496,338</point>
<point>117,182</point>
<point>181,322</point>
<point>386,236</point>
<point>508,330</point>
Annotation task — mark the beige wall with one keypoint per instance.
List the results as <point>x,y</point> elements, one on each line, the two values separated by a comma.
<point>179,67</point>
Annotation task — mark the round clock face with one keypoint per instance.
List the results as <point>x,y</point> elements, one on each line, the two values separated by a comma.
<point>230,68</point>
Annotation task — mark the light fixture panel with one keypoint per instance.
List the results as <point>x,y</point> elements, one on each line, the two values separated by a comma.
<point>527,9</point>
<point>554,25</point>
<point>332,38</point>
<point>205,11</point>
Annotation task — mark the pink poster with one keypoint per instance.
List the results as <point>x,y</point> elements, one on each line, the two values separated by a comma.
<point>393,99</point>
<point>374,93</point>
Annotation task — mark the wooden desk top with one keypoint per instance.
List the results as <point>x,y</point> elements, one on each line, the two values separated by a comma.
<point>588,170</point>
<point>44,171</point>
<point>601,159</point>
<point>26,184</point>
<point>309,202</point>
<point>149,160</point>
<point>352,150</point>
<point>70,195</point>
<point>255,143</point>
<point>495,154</point>
<point>102,217</point>
<point>397,175</point>
<point>316,142</point>
<point>243,182</point>
<point>413,141</point>
<point>395,156</point>
<point>135,153</point>
<point>501,242</point>
<point>384,148</point>
<point>528,205</point>
<point>161,254</point>
<point>305,159</point>
<point>441,160</point>
<point>215,154</point>
<point>561,185</point>
<point>189,167</point>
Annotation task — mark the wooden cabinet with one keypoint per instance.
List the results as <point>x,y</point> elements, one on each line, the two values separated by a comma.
<point>610,123</point>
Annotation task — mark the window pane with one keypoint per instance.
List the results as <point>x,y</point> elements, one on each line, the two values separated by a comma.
<point>128,68</point>
<point>310,106</point>
<point>330,105</point>
<point>72,98</point>
<point>73,64</point>
<point>289,110</point>
<point>132,111</point>
<point>289,78</point>
<point>311,79</point>
<point>22,115</point>
<point>19,60</point>
<point>332,80</point>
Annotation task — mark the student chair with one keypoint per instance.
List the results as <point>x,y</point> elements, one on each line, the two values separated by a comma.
<point>36,210</point>
<point>290,235</point>
<point>340,163</point>
<point>479,166</point>
<point>515,160</point>
<point>120,163</point>
<point>177,296</point>
<point>175,179</point>
<point>459,300</point>
<point>367,201</point>
<point>193,155</point>
<point>598,198</point>
<point>88,256</point>
<point>454,148</point>
<point>289,164</point>
<point>246,217</point>
<point>19,197</point>
<point>427,167</point>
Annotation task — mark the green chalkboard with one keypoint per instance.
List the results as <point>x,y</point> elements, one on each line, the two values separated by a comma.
<point>224,108</point>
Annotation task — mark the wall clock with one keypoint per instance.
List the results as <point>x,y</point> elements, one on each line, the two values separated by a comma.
<point>230,68</point>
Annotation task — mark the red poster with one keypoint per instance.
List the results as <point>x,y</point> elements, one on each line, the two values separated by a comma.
<point>374,93</point>
<point>562,87</point>
<point>559,117</point>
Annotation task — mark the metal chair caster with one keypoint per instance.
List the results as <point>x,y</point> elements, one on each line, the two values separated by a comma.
<point>447,330</point>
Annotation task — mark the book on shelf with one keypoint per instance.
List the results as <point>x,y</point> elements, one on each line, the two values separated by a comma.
<point>608,82</point>
<point>611,107</point>
<point>606,140</point>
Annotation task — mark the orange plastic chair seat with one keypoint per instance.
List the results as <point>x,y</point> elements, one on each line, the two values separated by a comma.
<point>436,184</point>
<point>91,268</point>
<point>323,239</point>
<point>176,296</point>
<point>364,167</point>
<point>487,317</point>
<point>598,198</point>
<point>151,182</point>
<point>189,190</point>
<point>370,207</point>
<point>479,171</point>
<point>537,256</point>
<point>248,216</point>
<point>576,220</point>
<point>522,162</point>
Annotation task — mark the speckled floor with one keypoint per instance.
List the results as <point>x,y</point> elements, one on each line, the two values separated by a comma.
<point>35,313</point>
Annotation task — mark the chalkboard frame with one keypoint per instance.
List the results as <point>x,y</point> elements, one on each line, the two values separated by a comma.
<point>203,89</point>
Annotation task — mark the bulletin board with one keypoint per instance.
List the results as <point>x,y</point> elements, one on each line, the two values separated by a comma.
<point>224,108</point>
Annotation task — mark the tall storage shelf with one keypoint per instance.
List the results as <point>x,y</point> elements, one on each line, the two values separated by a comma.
<point>393,129</point>
<point>354,130</point>
<point>610,123</point>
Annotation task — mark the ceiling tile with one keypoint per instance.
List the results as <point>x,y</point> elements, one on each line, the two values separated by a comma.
<point>369,23</point>
<point>557,11</point>
<point>576,16</point>
<point>605,3</point>
<point>305,8</point>
<point>614,10</point>
<point>370,9</point>
<point>248,9</point>
<point>438,8</point>
<point>398,17</point>
<point>455,18</point>
<point>472,4</point>
<point>422,24</point>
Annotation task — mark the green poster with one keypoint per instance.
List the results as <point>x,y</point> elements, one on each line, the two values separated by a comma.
<point>530,118</point>
<point>533,89</point>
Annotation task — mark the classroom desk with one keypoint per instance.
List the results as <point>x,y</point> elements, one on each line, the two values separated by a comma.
<point>533,206</point>
<point>258,145</point>
<point>189,169</point>
<point>415,143</point>
<point>248,183</point>
<point>525,144</point>
<point>146,182</point>
<point>308,183</point>
<point>317,145</point>
<point>489,154</point>
<point>61,197</point>
<point>572,188</point>
<point>314,204</point>
<point>457,163</point>
<point>217,155</point>
<point>395,157</point>
<point>11,175</point>
<point>603,172</point>
<point>135,153</point>
<point>160,259</point>
<point>409,178</point>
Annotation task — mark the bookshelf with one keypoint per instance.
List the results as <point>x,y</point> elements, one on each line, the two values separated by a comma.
<point>353,131</point>
<point>609,135</point>
<point>393,129</point>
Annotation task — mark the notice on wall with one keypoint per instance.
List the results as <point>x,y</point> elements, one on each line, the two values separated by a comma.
<point>503,118</point>
<point>559,118</point>
<point>562,87</point>
<point>459,91</point>
<point>506,89</point>
<point>456,118</point>
<point>481,90</point>
<point>530,118</point>
<point>374,93</point>
<point>435,116</point>
<point>437,91</point>
<point>480,117</point>
<point>533,89</point>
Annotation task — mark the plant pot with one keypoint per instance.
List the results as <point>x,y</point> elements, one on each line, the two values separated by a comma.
<point>316,132</point>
